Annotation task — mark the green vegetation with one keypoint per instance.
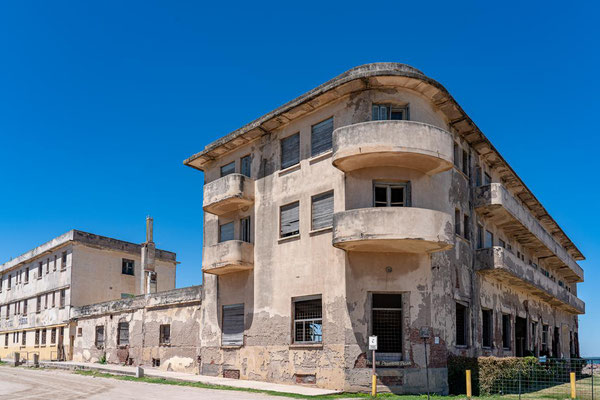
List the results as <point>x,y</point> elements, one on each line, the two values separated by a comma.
<point>102,359</point>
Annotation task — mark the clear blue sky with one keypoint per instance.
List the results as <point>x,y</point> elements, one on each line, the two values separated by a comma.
<point>101,101</point>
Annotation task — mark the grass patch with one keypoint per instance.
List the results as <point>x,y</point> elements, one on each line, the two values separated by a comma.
<point>163,381</point>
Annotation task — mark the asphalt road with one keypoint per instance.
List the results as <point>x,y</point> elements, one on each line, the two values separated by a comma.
<point>30,384</point>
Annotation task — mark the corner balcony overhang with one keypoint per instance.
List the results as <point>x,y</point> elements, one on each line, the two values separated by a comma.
<point>393,229</point>
<point>229,193</point>
<point>496,204</point>
<point>405,144</point>
<point>501,263</point>
<point>227,257</point>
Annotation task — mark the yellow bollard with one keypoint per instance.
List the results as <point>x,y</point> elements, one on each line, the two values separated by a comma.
<point>374,386</point>
<point>469,384</point>
<point>573,391</point>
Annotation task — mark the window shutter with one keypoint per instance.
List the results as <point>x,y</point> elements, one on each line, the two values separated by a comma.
<point>290,219</point>
<point>320,140</point>
<point>290,151</point>
<point>322,211</point>
<point>233,325</point>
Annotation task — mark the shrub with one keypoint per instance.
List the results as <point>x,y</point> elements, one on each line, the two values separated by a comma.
<point>102,359</point>
<point>457,365</point>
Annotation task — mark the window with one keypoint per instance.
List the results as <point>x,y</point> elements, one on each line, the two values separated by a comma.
<point>233,325</point>
<point>27,275</point>
<point>127,267</point>
<point>467,227</point>
<point>487,179</point>
<point>245,165</point>
<point>228,169</point>
<point>290,220</point>
<point>387,322</point>
<point>99,338</point>
<point>123,334</point>
<point>381,112</point>
<point>545,339</point>
<point>6,340</point>
<point>165,334</point>
<point>245,229</point>
<point>465,163</point>
<point>25,306</point>
<point>55,262</point>
<point>461,324</point>
<point>53,299</point>
<point>391,194</point>
<point>322,211</point>
<point>43,337</point>
<point>63,293</point>
<point>502,243</point>
<point>8,281</point>
<point>308,320</point>
<point>24,338</point>
<point>506,331</point>
<point>477,175</point>
<point>80,331</point>
<point>456,155</point>
<point>534,337</point>
<point>39,275</point>
<point>290,151</point>
<point>53,336</point>
<point>487,327</point>
<point>320,138</point>
<point>457,221</point>
<point>47,266</point>
<point>226,232</point>
<point>489,239</point>
<point>63,264</point>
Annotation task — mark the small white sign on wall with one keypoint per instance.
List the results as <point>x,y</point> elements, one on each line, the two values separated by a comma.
<point>372,342</point>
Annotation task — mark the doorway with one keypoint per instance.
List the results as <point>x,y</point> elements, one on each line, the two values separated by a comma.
<point>520,336</point>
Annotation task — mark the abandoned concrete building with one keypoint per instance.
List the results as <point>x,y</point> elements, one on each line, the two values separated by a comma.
<point>373,205</point>
<point>156,329</point>
<point>39,288</point>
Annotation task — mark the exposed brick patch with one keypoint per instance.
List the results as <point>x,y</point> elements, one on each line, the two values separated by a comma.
<point>390,380</point>
<point>123,355</point>
<point>231,373</point>
<point>306,379</point>
<point>437,356</point>
<point>361,361</point>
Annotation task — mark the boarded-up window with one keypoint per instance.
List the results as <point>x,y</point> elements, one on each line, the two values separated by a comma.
<point>322,210</point>
<point>233,325</point>
<point>290,219</point>
<point>461,325</point>
<point>123,334</point>
<point>228,169</point>
<point>320,139</point>
<point>99,340</point>
<point>290,150</point>
<point>387,322</point>
<point>226,232</point>
<point>165,334</point>
<point>245,163</point>
<point>308,320</point>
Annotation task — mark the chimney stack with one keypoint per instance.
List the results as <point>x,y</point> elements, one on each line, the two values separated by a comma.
<point>149,228</point>
<point>148,274</point>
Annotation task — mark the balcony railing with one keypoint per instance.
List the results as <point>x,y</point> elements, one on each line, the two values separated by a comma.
<point>405,144</point>
<point>229,193</point>
<point>227,257</point>
<point>393,229</point>
<point>497,261</point>
<point>496,204</point>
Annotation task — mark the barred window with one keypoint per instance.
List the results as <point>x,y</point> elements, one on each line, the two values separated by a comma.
<point>308,320</point>
<point>123,334</point>
<point>387,322</point>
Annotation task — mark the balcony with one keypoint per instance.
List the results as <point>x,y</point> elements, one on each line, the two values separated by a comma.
<point>227,257</point>
<point>393,229</point>
<point>405,144</point>
<point>229,193</point>
<point>497,205</point>
<point>499,262</point>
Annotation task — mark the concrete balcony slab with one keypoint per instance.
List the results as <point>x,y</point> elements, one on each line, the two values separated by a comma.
<point>229,193</point>
<point>227,257</point>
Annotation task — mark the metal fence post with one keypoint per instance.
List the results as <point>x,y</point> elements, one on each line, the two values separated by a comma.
<point>519,384</point>
<point>469,390</point>
<point>573,391</point>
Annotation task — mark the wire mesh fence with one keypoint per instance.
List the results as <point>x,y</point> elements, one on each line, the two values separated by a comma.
<point>545,379</point>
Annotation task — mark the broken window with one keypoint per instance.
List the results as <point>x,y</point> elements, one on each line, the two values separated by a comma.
<point>245,229</point>
<point>99,338</point>
<point>123,334</point>
<point>245,165</point>
<point>321,137</point>
<point>290,220</point>
<point>506,331</point>
<point>225,232</point>
<point>290,151</point>
<point>487,327</point>
<point>308,320</point>
<point>165,334</point>
<point>233,325</point>
<point>457,221</point>
<point>381,112</point>
<point>489,239</point>
<point>322,211</point>
<point>228,169</point>
<point>461,324</point>
<point>386,314</point>
<point>391,194</point>
<point>127,267</point>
